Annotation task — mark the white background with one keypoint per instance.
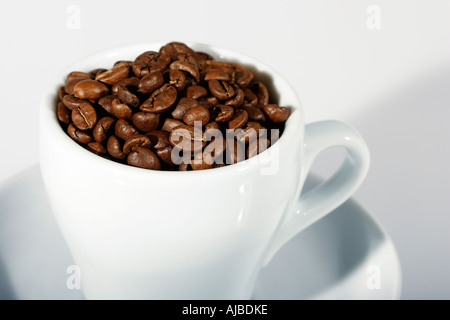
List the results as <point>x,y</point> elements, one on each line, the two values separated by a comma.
<point>392,83</point>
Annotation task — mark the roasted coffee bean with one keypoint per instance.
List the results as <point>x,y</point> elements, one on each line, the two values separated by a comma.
<point>183,106</point>
<point>186,138</point>
<point>239,120</point>
<point>63,113</point>
<point>151,82</point>
<point>173,49</point>
<point>196,114</point>
<point>132,82</point>
<point>225,113</point>
<point>221,89</point>
<point>170,124</point>
<point>61,93</point>
<point>188,67</point>
<point>146,121</point>
<point>118,72</point>
<point>176,78</point>
<point>69,88</point>
<point>196,92</point>
<point>78,135</point>
<point>166,154</point>
<point>254,113</point>
<point>159,138</point>
<point>114,148</point>
<point>96,148</point>
<point>276,113</point>
<point>103,128</point>
<point>138,140</point>
<point>121,110</point>
<point>148,62</point>
<point>257,146</point>
<point>202,161</point>
<point>250,98</point>
<point>143,158</point>
<point>154,102</point>
<point>84,117</point>
<point>261,93</point>
<point>208,102</point>
<point>77,74</point>
<point>237,100</point>
<point>124,130</point>
<point>216,74</point>
<point>127,97</point>
<point>106,103</point>
<point>160,100</point>
<point>71,102</point>
<point>90,89</point>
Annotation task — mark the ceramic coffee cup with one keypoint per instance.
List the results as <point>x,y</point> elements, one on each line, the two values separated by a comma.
<point>138,233</point>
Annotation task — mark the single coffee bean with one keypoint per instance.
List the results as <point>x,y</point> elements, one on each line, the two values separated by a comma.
<point>76,74</point>
<point>124,129</point>
<point>63,113</point>
<point>61,93</point>
<point>143,158</point>
<point>127,97</point>
<point>237,100</point>
<point>202,161</point>
<point>118,72</point>
<point>170,124</point>
<point>225,113</point>
<point>242,76</point>
<point>239,120</point>
<point>96,148</point>
<point>187,57</point>
<point>261,92</point>
<point>132,82</point>
<point>187,138</point>
<point>78,135</point>
<point>212,126</point>
<point>254,113</point>
<point>71,102</point>
<point>146,121</point>
<point>159,138</point>
<point>148,62</point>
<point>188,67</point>
<point>90,89</point>
<point>208,102</point>
<point>70,84</point>
<point>160,100</point>
<point>95,72</point>
<point>250,98</point>
<point>106,103</point>
<point>166,154</point>
<point>196,92</point>
<point>213,64</point>
<point>276,113</point>
<point>203,56</point>
<point>138,140</point>
<point>84,117</point>
<point>257,146</point>
<point>114,148</point>
<point>121,110</point>
<point>216,74</point>
<point>183,106</point>
<point>199,113</point>
<point>173,49</point>
<point>220,89</point>
<point>151,82</point>
<point>103,128</point>
<point>251,132</point>
<point>176,78</point>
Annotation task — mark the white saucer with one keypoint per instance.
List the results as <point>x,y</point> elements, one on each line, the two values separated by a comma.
<point>333,259</point>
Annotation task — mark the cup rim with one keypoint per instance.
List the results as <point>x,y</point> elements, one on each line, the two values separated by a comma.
<point>49,121</point>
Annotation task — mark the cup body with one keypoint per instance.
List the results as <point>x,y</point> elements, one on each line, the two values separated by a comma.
<point>138,233</point>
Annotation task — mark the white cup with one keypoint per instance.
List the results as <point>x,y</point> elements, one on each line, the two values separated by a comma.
<point>138,233</point>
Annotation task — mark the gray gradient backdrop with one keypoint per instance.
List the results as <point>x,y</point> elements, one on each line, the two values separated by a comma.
<point>391,83</point>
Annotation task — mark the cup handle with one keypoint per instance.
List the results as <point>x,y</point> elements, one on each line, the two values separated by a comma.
<point>326,197</point>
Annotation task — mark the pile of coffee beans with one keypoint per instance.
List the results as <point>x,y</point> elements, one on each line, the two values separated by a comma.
<point>176,109</point>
